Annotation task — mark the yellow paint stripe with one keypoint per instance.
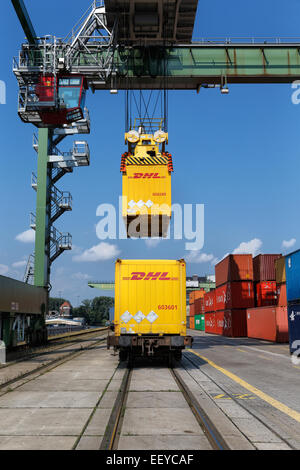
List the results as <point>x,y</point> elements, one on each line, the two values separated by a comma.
<point>242,350</point>
<point>271,401</point>
<point>264,357</point>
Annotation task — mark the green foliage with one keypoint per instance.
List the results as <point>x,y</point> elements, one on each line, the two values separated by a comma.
<point>95,311</point>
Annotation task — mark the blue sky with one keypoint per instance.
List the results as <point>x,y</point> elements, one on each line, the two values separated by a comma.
<point>237,154</point>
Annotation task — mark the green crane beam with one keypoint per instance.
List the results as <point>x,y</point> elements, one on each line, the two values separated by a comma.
<point>25,21</point>
<point>42,236</point>
<point>177,68</point>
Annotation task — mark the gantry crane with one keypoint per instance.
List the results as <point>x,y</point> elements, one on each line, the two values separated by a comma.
<point>121,45</point>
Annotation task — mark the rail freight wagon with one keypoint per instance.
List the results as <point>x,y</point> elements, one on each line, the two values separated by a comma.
<point>150,309</point>
<point>22,313</point>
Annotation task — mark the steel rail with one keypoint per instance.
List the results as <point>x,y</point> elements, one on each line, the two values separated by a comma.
<point>65,358</point>
<point>113,430</point>
<point>210,430</point>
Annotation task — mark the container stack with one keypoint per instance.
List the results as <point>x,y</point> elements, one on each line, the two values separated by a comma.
<point>264,276</point>
<point>188,316</point>
<point>192,310</point>
<point>292,268</point>
<point>196,308</point>
<point>210,311</point>
<point>281,282</point>
<point>268,320</point>
<point>199,310</point>
<point>234,294</point>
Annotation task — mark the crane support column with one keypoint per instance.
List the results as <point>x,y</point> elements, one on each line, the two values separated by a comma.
<point>42,237</point>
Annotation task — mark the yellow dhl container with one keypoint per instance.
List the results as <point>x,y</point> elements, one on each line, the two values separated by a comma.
<point>150,297</point>
<point>146,187</point>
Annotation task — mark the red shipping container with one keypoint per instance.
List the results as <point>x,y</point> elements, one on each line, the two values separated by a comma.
<point>281,295</point>
<point>235,295</point>
<point>191,298</point>
<point>210,301</point>
<point>234,268</point>
<point>192,323</point>
<point>264,267</point>
<point>231,323</point>
<point>269,323</point>
<point>235,323</point>
<point>199,307</point>
<point>266,293</point>
<point>210,322</point>
<point>192,310</point>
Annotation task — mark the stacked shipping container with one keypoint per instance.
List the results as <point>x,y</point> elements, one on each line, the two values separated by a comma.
<point>264,276</point>
<point>269,320</point>
<point>210,311</point>
<point>233,295</point>
<point>292,271</point>
<point>196,309</point>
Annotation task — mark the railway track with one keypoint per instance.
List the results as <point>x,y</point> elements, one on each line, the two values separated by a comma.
<point>52,356</point>
<point>118,415</point>
<point>55,342</point>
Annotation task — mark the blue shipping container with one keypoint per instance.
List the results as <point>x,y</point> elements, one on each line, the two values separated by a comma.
<point>294,327</point>
<point>292,268</point>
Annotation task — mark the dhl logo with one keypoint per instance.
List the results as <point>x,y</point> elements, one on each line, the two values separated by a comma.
<point>139,276</point>
<point>146,176</point>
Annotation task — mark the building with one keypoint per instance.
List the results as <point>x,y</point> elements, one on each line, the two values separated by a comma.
<point>65,310</point>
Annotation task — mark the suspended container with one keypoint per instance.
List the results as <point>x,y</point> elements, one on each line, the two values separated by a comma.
<point>146,170</point>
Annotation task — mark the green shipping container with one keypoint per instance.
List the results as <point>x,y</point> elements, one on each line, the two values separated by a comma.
<point>199,322</point>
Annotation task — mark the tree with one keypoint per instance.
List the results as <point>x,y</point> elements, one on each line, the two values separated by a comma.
<point>94,311</point>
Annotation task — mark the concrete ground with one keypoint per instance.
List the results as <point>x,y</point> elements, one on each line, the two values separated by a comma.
<point>247,387</point>
<point>157,415</point>
<point>62,408</point>
<point>257,375</point>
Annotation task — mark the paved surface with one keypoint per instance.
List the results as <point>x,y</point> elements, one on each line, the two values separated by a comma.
<point>62,408</point>
<point>13,370</point>
<point>265,367</point>
<point>157,415</point>
<point>248,388</point>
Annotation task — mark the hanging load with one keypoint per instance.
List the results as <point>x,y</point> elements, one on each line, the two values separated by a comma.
<point>58,100</point>
<point>146,169</point>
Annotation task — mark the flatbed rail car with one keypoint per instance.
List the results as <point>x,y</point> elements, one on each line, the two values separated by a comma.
<point>150,309</point>
<point>22,313</point>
